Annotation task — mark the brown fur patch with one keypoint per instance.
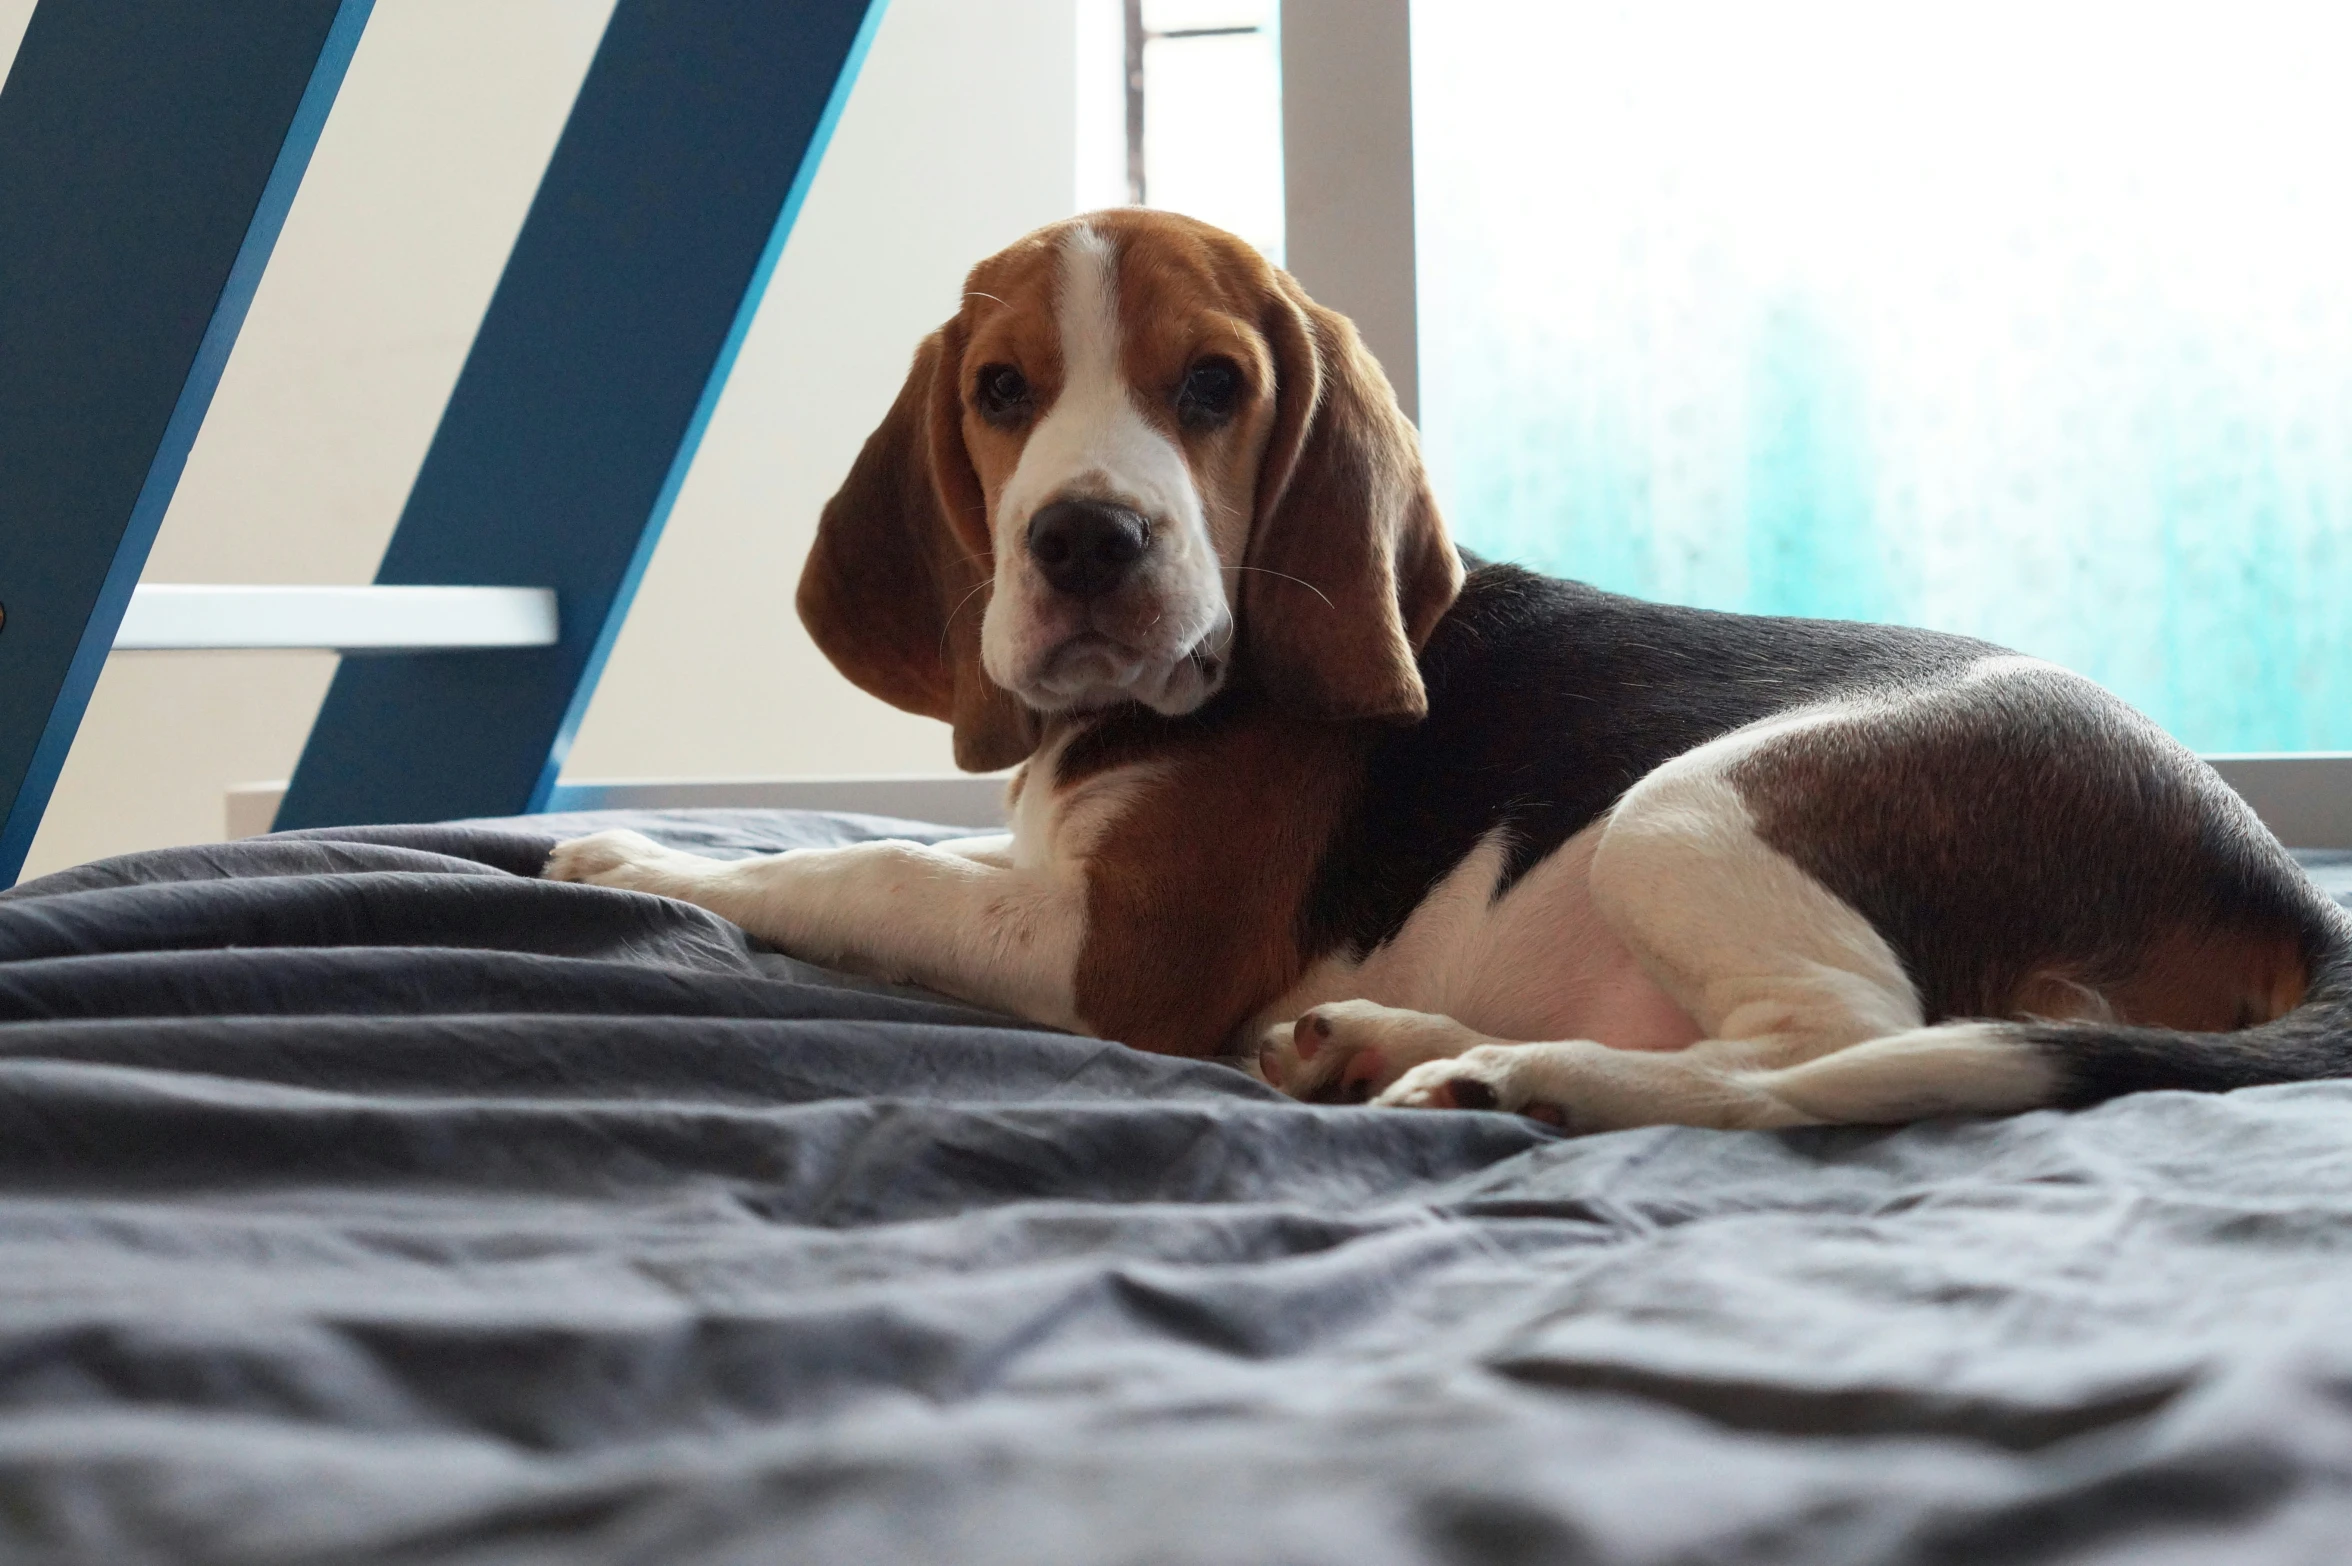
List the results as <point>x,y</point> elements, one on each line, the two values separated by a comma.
<point>1011,314</point>
<point>2031,847</point>
<point>1183,298</point>
<point>1195,893</point>
<point>2212,980</point>
<point>1350,566</point>
<point>894,587</point>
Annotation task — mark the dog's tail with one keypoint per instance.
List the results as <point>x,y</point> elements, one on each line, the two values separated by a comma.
<point>2095,1061</point>
<point>1987,1067</point>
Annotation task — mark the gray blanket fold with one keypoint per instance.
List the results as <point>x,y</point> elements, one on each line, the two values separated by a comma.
<point>364,1199</point>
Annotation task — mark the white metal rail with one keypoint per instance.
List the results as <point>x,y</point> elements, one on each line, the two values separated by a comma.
<point>336,619</point>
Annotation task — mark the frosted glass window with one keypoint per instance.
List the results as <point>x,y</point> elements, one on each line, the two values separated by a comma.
<point>2032,321</point>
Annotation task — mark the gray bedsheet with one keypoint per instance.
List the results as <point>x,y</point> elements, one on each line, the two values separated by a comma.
<point>362,1199</point>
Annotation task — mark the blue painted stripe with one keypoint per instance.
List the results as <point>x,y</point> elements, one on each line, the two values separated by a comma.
<point>567,438</point>
<point>625,594</point>
<point>137,538</point>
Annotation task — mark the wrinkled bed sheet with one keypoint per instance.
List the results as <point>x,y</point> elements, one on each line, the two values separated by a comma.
<point>362,1199</point>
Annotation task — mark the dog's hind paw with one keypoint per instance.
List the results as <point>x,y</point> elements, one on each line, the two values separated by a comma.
<point>1491,1076</point>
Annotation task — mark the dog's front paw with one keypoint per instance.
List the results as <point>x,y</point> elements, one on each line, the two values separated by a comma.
<point>616,858</point>
<point>1347,1052</point>
<point>1491,1076</point>
<point>1319,1060</point>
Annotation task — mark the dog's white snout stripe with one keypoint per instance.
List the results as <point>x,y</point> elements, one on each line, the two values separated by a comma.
<point>1094,443</point>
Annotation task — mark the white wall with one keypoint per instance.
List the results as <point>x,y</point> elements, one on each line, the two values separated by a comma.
<point>957,138</point>
<point>13,16</point>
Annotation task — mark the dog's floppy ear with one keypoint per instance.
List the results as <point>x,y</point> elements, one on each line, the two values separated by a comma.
<point>898,579</point>
<point>1350,563</point>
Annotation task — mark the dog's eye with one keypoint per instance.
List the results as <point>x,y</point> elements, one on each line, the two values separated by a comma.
<point>1208,394</point>
<point>1002,392</point>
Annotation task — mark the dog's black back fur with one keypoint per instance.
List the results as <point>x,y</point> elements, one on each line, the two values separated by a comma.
<point>1548,699</point>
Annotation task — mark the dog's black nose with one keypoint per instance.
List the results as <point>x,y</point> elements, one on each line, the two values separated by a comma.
<point>1085,547</point>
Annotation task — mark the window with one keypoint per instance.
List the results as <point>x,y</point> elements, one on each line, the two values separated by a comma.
<point>2031,321</point>
<point>1180,107</point>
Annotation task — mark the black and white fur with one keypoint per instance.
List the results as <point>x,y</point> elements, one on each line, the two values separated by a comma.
<point>1837,847</point>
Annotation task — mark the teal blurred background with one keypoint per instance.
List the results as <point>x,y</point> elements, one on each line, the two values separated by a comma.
<point>2033,322</point>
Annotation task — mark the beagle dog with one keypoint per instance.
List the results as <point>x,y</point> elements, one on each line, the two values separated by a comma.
<point>1301,782</point>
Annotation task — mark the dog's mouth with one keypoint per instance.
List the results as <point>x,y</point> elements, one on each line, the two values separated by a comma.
<point>1094,669</point>
<point>1163,640</point>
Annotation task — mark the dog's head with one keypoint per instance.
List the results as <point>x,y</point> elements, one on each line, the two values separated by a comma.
<point>1137,455</point>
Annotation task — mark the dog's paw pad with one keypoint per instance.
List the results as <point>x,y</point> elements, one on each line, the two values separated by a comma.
<point>1470,1093</point>
<point>1364,1074</point>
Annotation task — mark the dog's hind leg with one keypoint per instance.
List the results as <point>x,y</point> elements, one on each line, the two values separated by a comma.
<point>1807,1012</point>
<point>1995,892</point>
<point>1953,1068</point>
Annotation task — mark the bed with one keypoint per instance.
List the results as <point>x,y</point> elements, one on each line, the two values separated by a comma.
<point>368,1200</point>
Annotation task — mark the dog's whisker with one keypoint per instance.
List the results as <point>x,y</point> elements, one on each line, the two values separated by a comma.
<point>947,624</point>
<point>1287,577</point>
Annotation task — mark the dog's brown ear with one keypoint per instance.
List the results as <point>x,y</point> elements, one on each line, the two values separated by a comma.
<point>895,586</point>
<point>1350,565</point>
